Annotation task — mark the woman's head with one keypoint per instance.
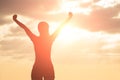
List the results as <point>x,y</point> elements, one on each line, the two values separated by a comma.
<point>43,28</point>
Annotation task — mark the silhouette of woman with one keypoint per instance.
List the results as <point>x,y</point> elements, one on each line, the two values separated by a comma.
<point>43,67</point>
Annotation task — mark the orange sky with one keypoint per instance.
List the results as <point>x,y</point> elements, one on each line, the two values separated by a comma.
<point>88,48</point>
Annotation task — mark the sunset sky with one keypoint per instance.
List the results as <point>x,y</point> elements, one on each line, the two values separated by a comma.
<point>88,48</point>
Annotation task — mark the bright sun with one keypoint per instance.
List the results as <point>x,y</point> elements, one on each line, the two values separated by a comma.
<point>70,34</point>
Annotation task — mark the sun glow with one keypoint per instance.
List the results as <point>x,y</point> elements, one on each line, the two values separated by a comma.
<point>70,34</point>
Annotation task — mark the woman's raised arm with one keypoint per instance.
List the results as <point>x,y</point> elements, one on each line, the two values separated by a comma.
<point>28,32</point>
<point>55,34</point>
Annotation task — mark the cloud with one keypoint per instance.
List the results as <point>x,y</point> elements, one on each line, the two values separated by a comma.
<point>3,20</point>
<point>96,0</point>
<point>85,5</point>
<point>88,52</point>
<point>101,19</point>
<point>29,8</point>
<point>15,47</point>
<point>15,32</point>
<point>26,6</point>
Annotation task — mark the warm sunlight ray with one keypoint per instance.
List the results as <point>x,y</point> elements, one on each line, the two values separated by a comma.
<point>70,34</point>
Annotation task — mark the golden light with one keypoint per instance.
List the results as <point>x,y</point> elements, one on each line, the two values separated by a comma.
<point>70,34</point>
